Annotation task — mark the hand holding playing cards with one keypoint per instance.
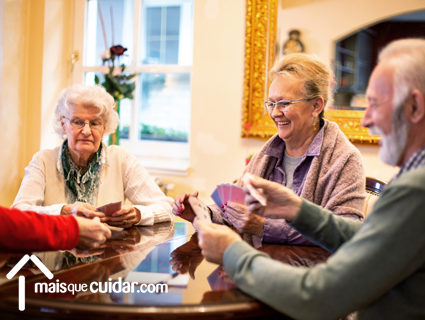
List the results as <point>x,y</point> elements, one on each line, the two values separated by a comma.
<point>243,220</point>
<point>182,208</point>
<point>81,209</point>
<point>124,218</point>
<point>214,239</point>
<point>282,202</point>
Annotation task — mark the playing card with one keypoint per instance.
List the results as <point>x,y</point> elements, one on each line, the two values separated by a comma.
<point>220,188</point>
<point>216,197</point>
<point>256,193</point>
<point>110,208</point>
<point>237,195</point>
<point>227,190</point>
<point>200,209</point>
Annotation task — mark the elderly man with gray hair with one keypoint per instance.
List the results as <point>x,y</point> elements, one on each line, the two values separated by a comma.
<point>378,267</point>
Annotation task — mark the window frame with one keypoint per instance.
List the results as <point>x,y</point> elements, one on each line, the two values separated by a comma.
<point>154,155</point>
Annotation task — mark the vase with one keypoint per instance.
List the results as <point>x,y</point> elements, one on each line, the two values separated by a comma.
<point>114,138</point>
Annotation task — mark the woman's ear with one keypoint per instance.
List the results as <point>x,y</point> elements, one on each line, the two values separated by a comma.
<point>318,105</point>
<point>63,125</point>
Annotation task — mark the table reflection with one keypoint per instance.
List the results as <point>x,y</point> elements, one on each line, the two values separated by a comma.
<point>145,252</point>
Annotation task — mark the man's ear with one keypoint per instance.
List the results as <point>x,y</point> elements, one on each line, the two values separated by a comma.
<point>416,110</point>
<point>318,105</point>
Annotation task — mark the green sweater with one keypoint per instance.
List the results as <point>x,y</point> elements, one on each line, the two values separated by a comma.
<point>378,268</point>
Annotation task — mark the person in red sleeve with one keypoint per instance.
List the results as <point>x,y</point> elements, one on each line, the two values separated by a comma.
<point>23,231</point>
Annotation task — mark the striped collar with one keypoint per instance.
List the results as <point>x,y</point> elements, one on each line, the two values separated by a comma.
<point>415,161</point>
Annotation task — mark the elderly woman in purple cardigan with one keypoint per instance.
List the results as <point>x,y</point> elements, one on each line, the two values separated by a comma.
<point>309,154</point>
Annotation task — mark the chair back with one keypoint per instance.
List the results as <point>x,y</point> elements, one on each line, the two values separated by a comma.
<point>374,189</point>
<point>375,186</point>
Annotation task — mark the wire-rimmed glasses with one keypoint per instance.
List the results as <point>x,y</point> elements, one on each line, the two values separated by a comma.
<point>78,123</point>
<point>282,105</point>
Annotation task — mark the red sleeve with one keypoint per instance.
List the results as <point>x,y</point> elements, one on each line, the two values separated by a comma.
<point>29,231</point>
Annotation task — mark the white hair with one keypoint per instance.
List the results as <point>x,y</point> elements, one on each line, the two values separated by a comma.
<point>408,58</point>
<point>89,97</point>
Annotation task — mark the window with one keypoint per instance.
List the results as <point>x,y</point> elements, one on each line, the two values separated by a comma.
<point>158,34</point>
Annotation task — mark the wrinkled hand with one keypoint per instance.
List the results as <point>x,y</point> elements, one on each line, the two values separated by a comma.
<point>92,233</point>
<point>182,208</point>
<point>187,257</point>
<point>243,220</point>
<point>214,239</point>
<point>81,209</point>
<point>282,202</point>
<point>125,218</point>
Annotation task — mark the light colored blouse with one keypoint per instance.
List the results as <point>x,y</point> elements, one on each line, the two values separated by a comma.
<point>122,177</point>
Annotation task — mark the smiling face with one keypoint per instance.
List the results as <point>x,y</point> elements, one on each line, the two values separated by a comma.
<point>295,125</point>
<point>83,142</point>
<point>384,119</point>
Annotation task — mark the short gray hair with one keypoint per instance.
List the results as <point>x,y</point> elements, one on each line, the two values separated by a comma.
<point>318,78</point>
<point>408,58</point>
<point>89,97</point>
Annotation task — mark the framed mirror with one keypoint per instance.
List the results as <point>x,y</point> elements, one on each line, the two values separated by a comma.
<point>345,34</point>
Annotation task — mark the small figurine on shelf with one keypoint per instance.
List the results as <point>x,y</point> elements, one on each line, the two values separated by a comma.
<point>293,45</point>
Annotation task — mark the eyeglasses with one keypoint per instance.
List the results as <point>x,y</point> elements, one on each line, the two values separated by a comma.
<point>282,105</point>
<point>78,123</point>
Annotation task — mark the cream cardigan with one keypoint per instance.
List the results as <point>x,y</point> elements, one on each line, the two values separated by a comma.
<point>122,177</point>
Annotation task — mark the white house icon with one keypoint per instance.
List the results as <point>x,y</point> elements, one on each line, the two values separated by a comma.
<point>18,267</point>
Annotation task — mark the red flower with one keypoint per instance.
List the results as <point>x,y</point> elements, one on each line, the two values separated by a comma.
<point>118,50</point>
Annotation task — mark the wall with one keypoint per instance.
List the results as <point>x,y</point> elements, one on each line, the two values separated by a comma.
<point>323,22</point>
<point>13,96</point>
<point>35,46</point>
<point>56,64</point>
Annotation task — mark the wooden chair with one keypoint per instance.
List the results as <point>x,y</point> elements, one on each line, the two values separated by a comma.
<point>374,189</point>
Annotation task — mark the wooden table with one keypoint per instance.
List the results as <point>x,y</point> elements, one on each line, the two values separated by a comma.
<point>210,294</point>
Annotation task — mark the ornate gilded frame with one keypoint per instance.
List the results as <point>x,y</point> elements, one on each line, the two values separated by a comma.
<point>261,20</point>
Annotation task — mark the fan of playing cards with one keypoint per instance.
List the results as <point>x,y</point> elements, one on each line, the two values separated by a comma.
<point>227,192</point>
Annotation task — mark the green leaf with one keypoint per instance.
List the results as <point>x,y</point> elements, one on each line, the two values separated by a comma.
<point>96,79</point>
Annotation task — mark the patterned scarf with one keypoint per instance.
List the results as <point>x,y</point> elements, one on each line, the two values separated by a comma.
<point>81,187</point>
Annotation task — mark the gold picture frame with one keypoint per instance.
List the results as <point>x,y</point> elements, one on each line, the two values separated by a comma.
<point>260,47</point>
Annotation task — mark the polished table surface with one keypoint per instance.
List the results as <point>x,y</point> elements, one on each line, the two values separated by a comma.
<point>163,248</point>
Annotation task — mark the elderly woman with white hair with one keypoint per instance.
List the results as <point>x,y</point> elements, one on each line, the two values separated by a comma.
<point>83,173</point>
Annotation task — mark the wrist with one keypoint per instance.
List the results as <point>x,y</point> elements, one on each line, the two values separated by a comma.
<point>66,210</point>
<point>295,209</point>
<point>138,216</point>
<point>260,229</point>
